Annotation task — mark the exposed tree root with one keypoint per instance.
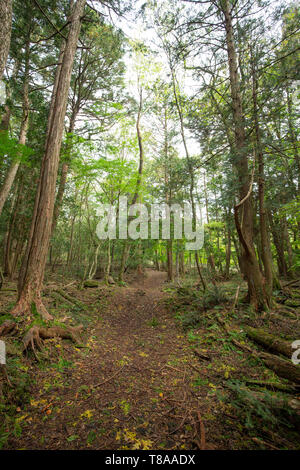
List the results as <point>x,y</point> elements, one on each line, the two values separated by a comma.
<point>24,307</point>
<point>7,327</point>
<point>35,336</point>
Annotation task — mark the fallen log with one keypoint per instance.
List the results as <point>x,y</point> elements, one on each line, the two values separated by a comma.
<point>282,367</point>
<point>270,342</point>
<point>68,297</point>
<point>273,386</point>
<point>59,298</point>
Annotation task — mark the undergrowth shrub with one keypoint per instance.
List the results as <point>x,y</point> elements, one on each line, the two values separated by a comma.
<point>258,413</point>
<point>191,304</point>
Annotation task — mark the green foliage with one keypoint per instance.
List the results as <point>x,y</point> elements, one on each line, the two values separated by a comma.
<point>254,411</point>
<point>10,147</point>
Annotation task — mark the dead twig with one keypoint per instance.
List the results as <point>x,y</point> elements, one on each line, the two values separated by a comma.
<point>236,298</point>
<point>110,378</point>
<point>260,441</point>
<point>202,432</point>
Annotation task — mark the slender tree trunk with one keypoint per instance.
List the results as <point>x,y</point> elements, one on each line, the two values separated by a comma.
<point>64,173</point>
<point>210,256</point>
<point>11,174</point>
<point>170,259</point>
<point>190,168</point>
<point>293,137</point>
<point>288,248</point>
<point>257,294</point>
<point>277,230</point>
<point>124,257</point>
<point>228,253</point>
<point>5,118</point>
<point>126,246</point>
<point>181,263</point>
<point>34,262</point>
<point>266,254</point>
<point>108,264</point>
<point>5,32</point>
<point>11,228</point>
<point>157,260</point>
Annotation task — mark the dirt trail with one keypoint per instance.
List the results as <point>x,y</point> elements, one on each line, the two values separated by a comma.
<point>131,389</point>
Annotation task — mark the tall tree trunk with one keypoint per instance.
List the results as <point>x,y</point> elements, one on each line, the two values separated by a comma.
<point>157,266</point>
<point>289,249</point>
<point>11,174</point>
<point>126,246</point>
<point>228,253</point>
<point>181,262</point>
<point>277,230</point>
<point>266,254</point>
<point>170,259</point>
<point>5,32</point>
<point>293,137</point>
<point>9,238</point>
<point>124,257</point>
<point>257,294</point>
<point>5,118</point>
<point>34,262</point>
<point>64,172</point>
<point>108,264</point>
<point>190,168</point>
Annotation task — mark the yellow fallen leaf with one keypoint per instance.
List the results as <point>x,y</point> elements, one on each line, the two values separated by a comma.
<point>87,414</point>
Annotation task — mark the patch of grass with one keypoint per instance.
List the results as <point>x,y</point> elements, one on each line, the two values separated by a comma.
<point>153,322</point>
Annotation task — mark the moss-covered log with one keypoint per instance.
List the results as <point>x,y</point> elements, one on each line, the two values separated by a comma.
<point>91,283</point>
<point>71,299</point>
<point>282,367</point>
<point>270,342</point>
<point>273,386</point>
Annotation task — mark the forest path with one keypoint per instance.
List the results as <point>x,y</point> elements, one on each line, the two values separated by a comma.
<point>130,389</point>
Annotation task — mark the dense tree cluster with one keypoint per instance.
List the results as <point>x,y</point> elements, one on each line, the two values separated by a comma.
<point>206,113</point>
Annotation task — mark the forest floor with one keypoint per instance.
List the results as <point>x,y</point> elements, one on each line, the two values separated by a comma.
<point>139,382</point>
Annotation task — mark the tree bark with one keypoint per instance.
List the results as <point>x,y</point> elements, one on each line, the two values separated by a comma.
<point>293,136</point>
<point>258,297</point>
<point>170,259</point>
<point>266,254</point>
<point>34,262</point>
<point>5,32</point>
<point>64,173</point>
<point>228,253</point>
<point>277,231</point>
